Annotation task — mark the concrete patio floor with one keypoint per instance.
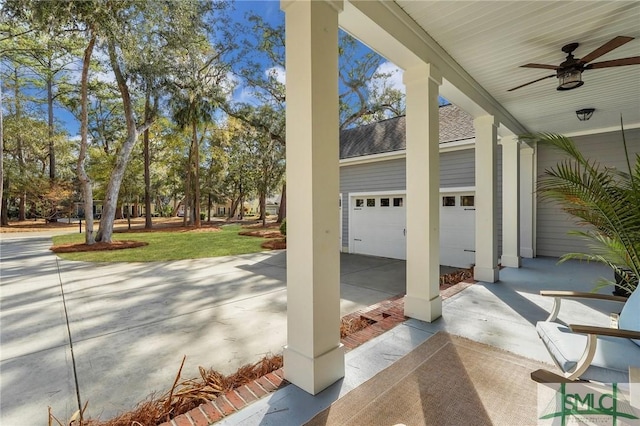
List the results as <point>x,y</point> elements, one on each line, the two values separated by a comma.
<point>501,314</point>
<point>131,323</point>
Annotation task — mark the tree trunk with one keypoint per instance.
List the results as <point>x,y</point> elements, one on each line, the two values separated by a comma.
<point>22,203</point>
<point>196,175</point>
<point>113,188</point>
<point>52,156</point>
<point>22,207</point>
<point>3,208</point>
<point>282,211</point>
<point>148,223</point>
<point>263,208</point>
<point>234,206</point>
<point>187,190</point>
<point>85,182</point>
<point>209,203</point>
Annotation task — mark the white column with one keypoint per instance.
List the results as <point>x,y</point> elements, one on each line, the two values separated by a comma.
<point>486,268</point>
<point>527,202</point>
<point>423,300</point>
<point>313,356</point>
<point>510,202</point>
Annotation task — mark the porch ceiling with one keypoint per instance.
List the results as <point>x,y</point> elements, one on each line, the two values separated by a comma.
<point>492,39</point>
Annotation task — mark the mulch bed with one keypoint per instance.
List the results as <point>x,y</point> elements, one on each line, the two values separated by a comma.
<point>272,231</point>
<point>263,233</point>
<point>449,280</point>
<point>115,245</point>
<point>279,244</point>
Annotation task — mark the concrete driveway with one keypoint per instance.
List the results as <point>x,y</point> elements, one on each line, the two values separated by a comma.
<point>130,324</point>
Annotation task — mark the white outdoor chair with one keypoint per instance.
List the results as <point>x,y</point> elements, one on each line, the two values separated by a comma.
<point>584,352</point>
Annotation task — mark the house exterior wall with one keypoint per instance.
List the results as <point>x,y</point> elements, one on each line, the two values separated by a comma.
<point>379,176</point>
<point>457,169</point>
<point>552,223</point>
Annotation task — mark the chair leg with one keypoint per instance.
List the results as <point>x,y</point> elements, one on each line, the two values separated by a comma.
<point>585,360</point>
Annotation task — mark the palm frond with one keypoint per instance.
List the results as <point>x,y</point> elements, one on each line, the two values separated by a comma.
<point>604,200</point>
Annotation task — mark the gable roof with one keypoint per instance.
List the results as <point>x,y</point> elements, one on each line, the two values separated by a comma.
<point>389,135</point>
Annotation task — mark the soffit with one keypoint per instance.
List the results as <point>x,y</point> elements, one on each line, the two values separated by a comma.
<point>492,39</point>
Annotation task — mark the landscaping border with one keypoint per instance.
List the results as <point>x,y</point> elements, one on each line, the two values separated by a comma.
<point>385,316</point>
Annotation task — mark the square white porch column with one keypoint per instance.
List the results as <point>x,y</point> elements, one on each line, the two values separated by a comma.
<point>313,356</point>
<point>510,202</point>
<point>423,299</point>
<point>527,202</point>
<point>486,268</point>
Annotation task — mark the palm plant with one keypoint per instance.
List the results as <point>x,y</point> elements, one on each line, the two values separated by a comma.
<point>604,199</point>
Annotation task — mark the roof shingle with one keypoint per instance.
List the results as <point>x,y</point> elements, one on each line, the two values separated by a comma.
<point>389,135</point>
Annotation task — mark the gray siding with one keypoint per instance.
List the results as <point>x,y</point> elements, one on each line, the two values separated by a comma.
<point>457,169</point>
<point>552,223</point>
<point>379,176</point>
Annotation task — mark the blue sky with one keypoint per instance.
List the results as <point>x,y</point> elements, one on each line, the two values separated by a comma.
<point>270,11</point>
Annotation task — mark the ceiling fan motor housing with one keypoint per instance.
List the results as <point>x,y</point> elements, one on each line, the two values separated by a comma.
<point>569,72</point>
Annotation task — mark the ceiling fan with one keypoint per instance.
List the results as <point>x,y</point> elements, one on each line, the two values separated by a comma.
<point>569,72</point>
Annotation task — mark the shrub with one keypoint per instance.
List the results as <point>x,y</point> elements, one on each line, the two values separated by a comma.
<point>283,227</point>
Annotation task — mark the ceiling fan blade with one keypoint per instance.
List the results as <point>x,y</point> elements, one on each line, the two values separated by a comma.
<point>634,60</point>
<point>605,48</point>
<point>543,66</point>
<point>531,82</point>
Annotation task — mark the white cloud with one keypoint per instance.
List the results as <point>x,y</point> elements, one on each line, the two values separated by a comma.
<point>278,73</point>
<point>104,74</point>
<point>229,84</point>
<point>394,80</point>
<point>386,77</point>
<point>245,95</point>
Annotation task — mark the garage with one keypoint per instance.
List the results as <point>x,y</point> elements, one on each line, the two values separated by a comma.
<point>457,229</point>
<point>378,226</point>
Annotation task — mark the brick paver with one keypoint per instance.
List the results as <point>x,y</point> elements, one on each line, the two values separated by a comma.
<point>386,314</point>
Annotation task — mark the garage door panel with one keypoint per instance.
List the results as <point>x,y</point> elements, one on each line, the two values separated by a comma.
<point>457,230</point>
<point>379,230</point>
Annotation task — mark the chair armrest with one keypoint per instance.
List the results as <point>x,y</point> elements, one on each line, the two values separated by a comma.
<point>592,334</point>
<point>559,295</point>
<point>582,295</point>
<point>604,331</point>
<point>546,376</point>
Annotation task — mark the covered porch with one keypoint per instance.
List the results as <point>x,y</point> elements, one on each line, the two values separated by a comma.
<point>471,54</point>
<point>502,316</point>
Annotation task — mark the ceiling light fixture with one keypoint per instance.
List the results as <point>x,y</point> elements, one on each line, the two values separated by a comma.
<point>569,72</point>
<point>570,78</point>
<point>585,113</point>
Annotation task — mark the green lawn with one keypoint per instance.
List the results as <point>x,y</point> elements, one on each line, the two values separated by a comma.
<point>169,246</point>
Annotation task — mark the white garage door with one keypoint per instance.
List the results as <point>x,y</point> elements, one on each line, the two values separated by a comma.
<point>457,229</point>
<point>378,225</point>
